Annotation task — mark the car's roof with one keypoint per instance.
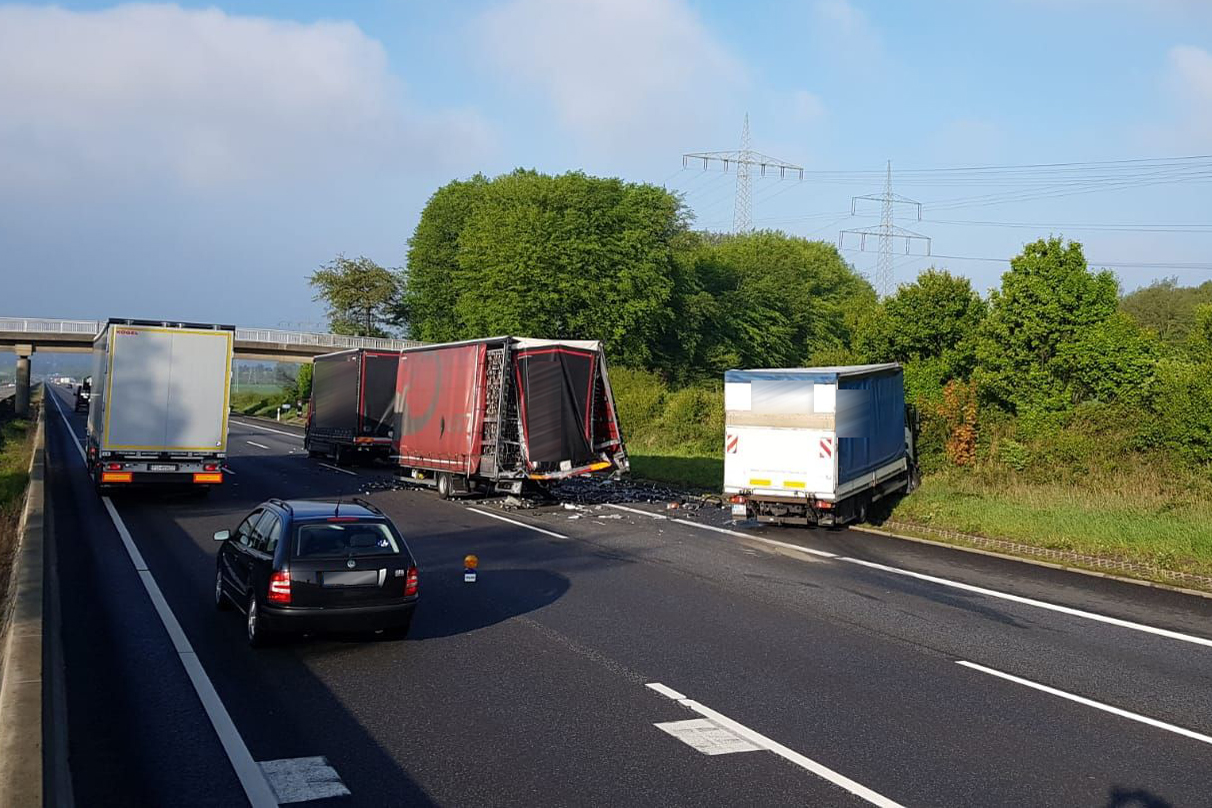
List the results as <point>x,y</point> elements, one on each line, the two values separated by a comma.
<point>323,508</point>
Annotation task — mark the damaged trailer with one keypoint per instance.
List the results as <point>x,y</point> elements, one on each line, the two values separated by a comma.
<point>352,410</point>
<point>505,413</point>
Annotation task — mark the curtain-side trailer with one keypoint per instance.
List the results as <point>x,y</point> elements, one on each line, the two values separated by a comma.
<point>159,404</point>
<point>815,446</point>
<point>505,412</point>
<point>352,408</point>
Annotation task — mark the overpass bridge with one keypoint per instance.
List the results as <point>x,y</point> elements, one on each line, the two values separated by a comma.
<point>27,335</point>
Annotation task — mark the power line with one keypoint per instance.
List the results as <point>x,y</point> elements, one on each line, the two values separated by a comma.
<point>1194,266</point>
<point>743,162</point>
<point>887,231</point>
<point>1120,228</point>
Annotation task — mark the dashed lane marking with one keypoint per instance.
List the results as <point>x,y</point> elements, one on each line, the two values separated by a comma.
<point>519,524</point>
<point>258,445</point>
<point>1098,705</point>
<point>268,429</point>
<point>338,468</point>
<point>762,742</point>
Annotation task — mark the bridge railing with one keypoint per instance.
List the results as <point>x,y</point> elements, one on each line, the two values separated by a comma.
<point>337,341</point>
<point>35,325</point>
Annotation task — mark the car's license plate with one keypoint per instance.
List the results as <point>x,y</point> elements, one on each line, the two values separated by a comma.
<point>162,467</point>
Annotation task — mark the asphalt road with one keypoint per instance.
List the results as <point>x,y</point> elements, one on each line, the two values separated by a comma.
<point>530,686</point>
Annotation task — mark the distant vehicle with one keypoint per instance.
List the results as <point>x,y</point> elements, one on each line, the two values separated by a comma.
<point>83,394</point>
<point>816,446</point>
<point>352,407</point>
<point>308,565</point>
<point>158,411</point>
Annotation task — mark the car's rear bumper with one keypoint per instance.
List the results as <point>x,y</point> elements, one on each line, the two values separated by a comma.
<point>346,618</point>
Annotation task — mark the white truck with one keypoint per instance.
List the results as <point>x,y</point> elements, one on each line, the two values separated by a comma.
<point>816,446</point>
<point>159,404</point>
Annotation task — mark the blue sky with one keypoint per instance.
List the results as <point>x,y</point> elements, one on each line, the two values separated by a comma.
<point>197,161</point>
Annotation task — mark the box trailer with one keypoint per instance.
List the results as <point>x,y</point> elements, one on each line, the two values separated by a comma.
<point>159,402</point>
<point>504,413</point>
<point>352,410</point>
<point>815,446</point>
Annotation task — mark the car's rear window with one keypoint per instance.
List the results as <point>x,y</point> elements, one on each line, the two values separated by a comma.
<point>341,539</point>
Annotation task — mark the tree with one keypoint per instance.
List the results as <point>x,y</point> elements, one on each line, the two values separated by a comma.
<point>361,295</point>
<point>1167,309</point>
<point>1048,298</point>
<point>560,257</point>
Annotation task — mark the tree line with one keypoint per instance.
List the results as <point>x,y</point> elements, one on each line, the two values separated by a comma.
<point>575,256</point>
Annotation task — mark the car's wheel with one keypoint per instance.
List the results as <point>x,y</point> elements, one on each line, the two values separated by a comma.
<point>258,637</point>
<point>221,601</point>
<point>443,486</point>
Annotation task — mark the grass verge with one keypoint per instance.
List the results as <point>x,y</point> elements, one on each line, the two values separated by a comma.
<point>16,443</point>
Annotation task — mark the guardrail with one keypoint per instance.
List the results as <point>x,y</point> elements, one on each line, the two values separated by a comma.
<point>36,325</point>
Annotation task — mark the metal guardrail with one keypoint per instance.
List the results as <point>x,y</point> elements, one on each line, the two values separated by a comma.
<point>34,325</point>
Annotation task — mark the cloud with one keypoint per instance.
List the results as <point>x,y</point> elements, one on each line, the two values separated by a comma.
<point>1188,82</point>
<point>843,30</point>
<point>203,101</point>
<point>805,107</point>
<point>618,73</point>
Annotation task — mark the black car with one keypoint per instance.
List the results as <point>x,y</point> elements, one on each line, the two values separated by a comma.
<point>311,565</point>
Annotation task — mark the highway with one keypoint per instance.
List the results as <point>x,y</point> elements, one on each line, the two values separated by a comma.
<point>851,668</point>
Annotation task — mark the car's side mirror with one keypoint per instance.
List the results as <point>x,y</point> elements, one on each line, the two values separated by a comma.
<point>222,535</point>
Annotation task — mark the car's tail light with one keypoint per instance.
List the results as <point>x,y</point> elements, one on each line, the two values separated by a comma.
<point>279,586</point>
<point>410,582</point>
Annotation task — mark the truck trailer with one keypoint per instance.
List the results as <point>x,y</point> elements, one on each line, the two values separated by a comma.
<point>816,446</point>
<point>504,414</point>
<point>352,410</point>
<point>159,402</point>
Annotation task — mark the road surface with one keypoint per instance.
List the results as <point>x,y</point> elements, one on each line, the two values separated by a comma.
<point>859,670</point>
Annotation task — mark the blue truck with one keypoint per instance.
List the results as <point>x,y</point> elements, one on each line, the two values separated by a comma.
<point>816,446</point>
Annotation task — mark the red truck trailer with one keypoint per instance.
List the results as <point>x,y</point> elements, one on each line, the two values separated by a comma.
<point>352,410</point>
<point>505,412</point>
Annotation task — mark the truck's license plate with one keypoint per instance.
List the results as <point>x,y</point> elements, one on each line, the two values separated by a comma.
<point>162,467</point>
<point>739,512</point>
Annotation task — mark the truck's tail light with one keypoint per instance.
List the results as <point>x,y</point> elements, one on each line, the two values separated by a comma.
<point>208,477</point>
<point>113,466</point>
<point>279,586</point>
<point>210,466</point>
<point>737,499</point>
<point>410,582</point>
<point>823,505</point>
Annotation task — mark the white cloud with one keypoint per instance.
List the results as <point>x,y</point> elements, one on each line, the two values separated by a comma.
<point>618,73</point>
<point>200,100</point>
<point>844,31</point>
<point>1187,81</point>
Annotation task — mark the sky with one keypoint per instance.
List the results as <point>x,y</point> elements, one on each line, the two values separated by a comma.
<point>199,161</point>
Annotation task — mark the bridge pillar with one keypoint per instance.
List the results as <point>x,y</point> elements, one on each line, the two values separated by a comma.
<point>21,399</point>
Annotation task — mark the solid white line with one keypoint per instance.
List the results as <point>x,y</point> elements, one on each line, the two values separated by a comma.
<point>667,692</point>
<point>1114,621</point>
<point>764,540</point>
<point>267,429</point>
<point>338,468</point>
<point>252,779</point>
<point>790,755</point>
<point>1153,722</point>
<point>258,445</point>
<point>519,524</point>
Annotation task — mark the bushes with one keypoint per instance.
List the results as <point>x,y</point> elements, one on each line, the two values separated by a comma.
<point>656,419</point>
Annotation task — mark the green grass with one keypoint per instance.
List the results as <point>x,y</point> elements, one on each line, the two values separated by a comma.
<point>1128,519</point>
<point>16,444</point>
<point>706,473</point>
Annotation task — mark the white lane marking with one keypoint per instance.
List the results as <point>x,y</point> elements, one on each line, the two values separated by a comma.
<point>667,692</point>
<point>707,737</point>
<point>268,429</point>
<point>338,468</point>
<point>258,445</point>
<point>763,539</point>
<point>256,787</point>
<point>790,755</point>
<point>228,470</point>
<point>993,593</point>
<point>303,779</point>
<point>1098,705</point>
<point>519,524</point>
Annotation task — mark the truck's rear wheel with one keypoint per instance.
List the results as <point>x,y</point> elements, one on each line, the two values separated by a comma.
<point>443,485</point>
